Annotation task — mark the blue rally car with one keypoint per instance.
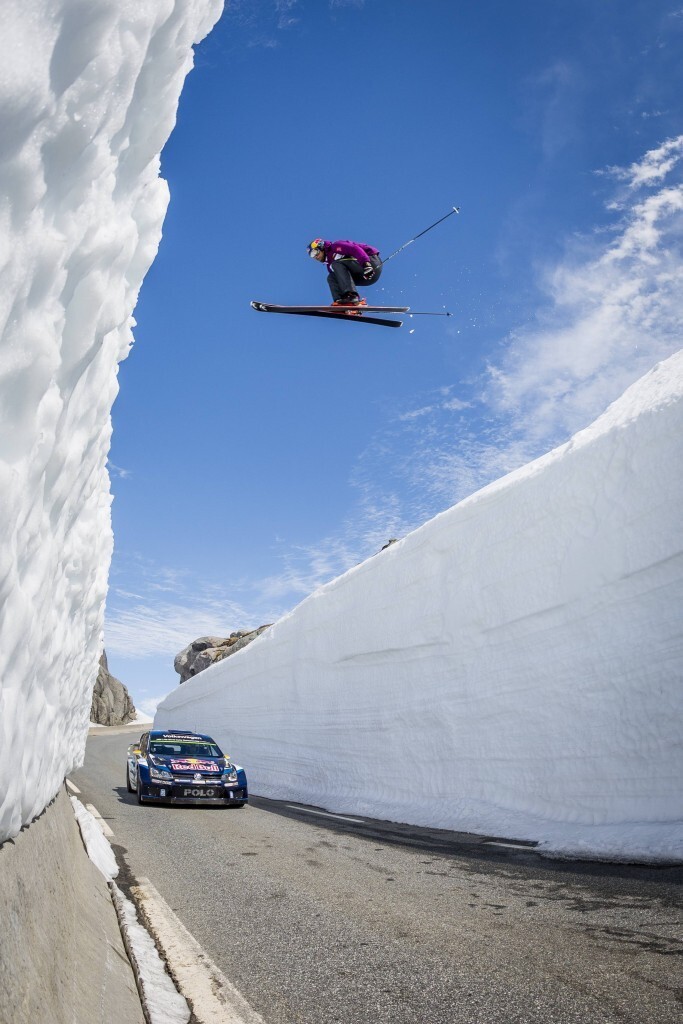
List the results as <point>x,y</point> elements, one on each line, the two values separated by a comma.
<point>172,766</point>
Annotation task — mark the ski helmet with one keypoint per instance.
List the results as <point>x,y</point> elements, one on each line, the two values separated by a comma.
<point>316,248</point>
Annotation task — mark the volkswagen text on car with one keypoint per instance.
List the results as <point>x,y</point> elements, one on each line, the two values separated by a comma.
<point>175,767</point>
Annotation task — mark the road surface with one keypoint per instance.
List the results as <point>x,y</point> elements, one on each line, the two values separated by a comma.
<point>320,919</point>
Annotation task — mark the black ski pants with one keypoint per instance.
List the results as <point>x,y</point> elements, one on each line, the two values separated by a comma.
<point>347,274</point>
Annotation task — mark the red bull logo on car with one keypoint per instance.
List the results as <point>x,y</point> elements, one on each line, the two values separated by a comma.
<point>192,764</point>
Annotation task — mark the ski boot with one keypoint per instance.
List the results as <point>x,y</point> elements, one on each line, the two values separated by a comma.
<point>351,299</point>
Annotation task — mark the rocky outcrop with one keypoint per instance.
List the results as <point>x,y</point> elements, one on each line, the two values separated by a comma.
<point>111,703</point>
<point>207,650</point>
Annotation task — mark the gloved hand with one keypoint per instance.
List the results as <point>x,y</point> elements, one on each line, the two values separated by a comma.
<point>368,271</point>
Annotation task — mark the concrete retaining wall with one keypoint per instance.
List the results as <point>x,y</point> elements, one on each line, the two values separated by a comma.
<point>62,959</point>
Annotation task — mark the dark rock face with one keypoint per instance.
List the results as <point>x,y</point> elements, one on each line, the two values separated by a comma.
<point>111,703</point>
<point>207,650</point>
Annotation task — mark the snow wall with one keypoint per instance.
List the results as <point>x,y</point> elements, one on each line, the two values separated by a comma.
<point>88,97</point>
<point>513,667</point>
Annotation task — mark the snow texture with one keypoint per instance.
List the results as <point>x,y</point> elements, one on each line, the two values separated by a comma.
<point>94,840</point>
<point>512,668</point>
<point>88,97</point>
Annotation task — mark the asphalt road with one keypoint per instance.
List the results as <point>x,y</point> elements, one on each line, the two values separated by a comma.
<point>319,920</point>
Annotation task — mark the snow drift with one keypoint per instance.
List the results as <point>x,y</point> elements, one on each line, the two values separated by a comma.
<point>88,96</point>
<point>512,667</point>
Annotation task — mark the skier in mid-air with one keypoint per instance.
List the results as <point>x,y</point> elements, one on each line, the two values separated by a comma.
<point>350,265</point>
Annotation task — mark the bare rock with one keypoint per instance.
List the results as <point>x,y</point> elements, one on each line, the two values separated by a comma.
<point>111,702</point>
<point>207,650</point>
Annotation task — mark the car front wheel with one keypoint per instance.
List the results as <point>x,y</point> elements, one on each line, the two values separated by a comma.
<point>128,785</point>
<point>138,789</point>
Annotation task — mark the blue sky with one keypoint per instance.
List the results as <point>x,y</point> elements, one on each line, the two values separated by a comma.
<point>255,457</point>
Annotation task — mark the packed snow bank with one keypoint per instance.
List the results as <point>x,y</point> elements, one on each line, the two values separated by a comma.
<point>88,95</point>
<point>512,667</point>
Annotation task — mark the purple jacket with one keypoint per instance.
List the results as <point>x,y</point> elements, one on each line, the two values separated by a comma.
<point>356,250</point>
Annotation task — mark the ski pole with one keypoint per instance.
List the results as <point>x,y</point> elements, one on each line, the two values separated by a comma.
<point>428,314</point>
<point>455,209</point>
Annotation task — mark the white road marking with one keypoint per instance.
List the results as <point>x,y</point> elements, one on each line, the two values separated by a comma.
<point>324,814</point>
<point>213,998</point>
<point>72,789</point>
<point>510,846</point>
<point>100,821</point>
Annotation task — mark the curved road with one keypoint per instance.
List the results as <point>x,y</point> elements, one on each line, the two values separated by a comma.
<point>321,919</point>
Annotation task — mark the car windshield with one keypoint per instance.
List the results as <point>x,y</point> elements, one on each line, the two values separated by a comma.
<point>184,748</point>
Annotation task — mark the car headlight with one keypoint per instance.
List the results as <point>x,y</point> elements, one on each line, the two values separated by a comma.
<point>230,776</point>
<point>160,774</point>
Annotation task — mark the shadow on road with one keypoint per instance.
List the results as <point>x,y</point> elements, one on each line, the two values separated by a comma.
<point>496,851</point>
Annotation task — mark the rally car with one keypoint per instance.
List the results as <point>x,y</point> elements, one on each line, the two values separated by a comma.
<point>177,767</point>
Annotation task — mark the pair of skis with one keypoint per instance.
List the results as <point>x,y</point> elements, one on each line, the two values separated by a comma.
<point>350,313</point>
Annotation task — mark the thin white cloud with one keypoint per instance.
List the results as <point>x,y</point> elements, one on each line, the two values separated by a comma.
<point>147,577</point>
<point>444,402</point>
<point>148,628</point>
<point>123,474</point>
<point>612,314</point>
<point>456,405</point>
<point>158,610</point>
<point>305,568</point>
<point>149,705</point>
<point>553,106</point>
<point>283,8</point>
<point>653,167</point>
<point>261,21</point>
<point>414,414</point>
